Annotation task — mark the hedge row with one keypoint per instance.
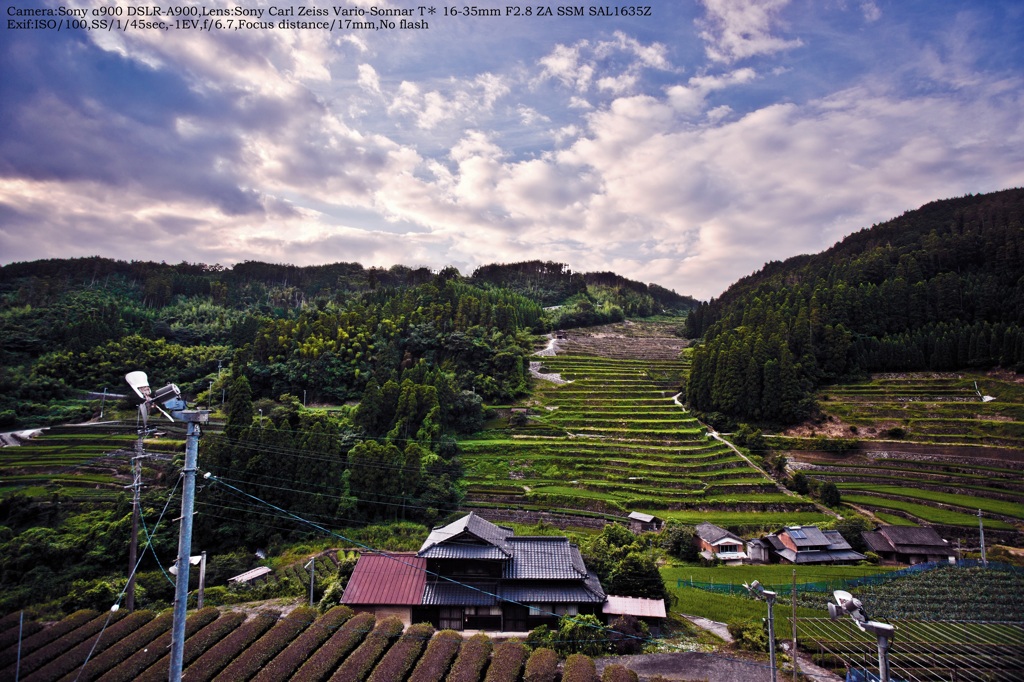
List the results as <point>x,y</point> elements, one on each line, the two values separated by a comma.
<point>618,673</point>
<point>438,657</point>
<point>542,666</point>
<point>579,668</point>
<point>217,657</point>
<point>73,659</point>
<point>326,658</point>
<point>195,646</point>
<point>506,663</point>
<point>136,641</point>
<point>58,647</point>
<point>473,656</point>
<point>285,663</point>
<point>357,666</point>
<point>10,635</point>
<point>269,645</point>
<point>9,657</point>
<point>130,669</point>
<point>400,658</point>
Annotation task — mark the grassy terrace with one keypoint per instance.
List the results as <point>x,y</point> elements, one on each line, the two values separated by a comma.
<point>613,440</point>
<point>929,449</point>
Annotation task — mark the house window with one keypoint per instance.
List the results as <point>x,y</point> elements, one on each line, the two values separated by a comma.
<point>566,609</point>
<point>451,618</point>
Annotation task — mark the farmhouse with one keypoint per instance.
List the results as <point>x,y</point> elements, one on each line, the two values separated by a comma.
<point>806,545</point>
<point>718,543</point>
<point>473,574</point>
<point>908,544</point>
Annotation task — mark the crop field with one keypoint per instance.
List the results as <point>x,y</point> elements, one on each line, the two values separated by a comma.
<point>928,450</point>
<point>268,647</point>
<point>84,462</point>
<point>607,436</point>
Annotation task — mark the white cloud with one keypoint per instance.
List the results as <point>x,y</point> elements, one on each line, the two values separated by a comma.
<point>738,29</point>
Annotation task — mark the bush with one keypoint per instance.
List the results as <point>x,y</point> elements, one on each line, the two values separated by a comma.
<point>62,645</point>
<point>195,646</point>
<point>542,666</point>
<point>71,660</point>
<point>473,655</point>
<point>270,644</point>
<point>540,637</point>
<point>283,665</point>
<point>749,634</point>
<point>507,662</point>
<point>358,665</point>
<point>320,665</point>
<point>579,668</point>
<point>399,659</point>
<point>627,635</point>
<point>136,641</point>
<point>217,657</point>
<point>438,657</point>
<point>40,639</point>
<point>618,673</point>
<point>130,668</point>
<point>581,635</point>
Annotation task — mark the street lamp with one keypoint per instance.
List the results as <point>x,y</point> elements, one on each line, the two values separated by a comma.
<point>757,591</point>
<point>885,633</point>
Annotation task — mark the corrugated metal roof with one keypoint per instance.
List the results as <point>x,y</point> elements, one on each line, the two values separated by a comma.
<point>393,578</point>
<point>250,575</point>
<point>640,516</point>
<point>634,606</point>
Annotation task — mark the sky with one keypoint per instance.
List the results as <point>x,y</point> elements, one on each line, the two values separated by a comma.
<point>686,148</point>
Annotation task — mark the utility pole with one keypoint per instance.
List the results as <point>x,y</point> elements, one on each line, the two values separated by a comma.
<point>202,580</point>
<point>133,549</point>
<point>103,403</point>
<point>312,568</point>
<point>981,535</point>
<point>193,418</point>
<point>792,620</point>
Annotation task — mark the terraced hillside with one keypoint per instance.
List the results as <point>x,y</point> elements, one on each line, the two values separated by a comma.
<point>605,435</point>
<point>929,450</point>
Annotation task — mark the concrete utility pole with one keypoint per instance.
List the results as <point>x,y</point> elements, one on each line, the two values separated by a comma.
<point>193,418</point>
<point>981,535</point>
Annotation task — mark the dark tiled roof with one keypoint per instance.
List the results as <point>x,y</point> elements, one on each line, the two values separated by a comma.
<point>806,536</point>
<point>709,532</point>
<point>877,542</point>
<point>444,593</point>
<point>386,579</point>
<point>836,541</point>
<point>536,591</point>
<point>471,537</point>
<point>913,535</point>
<point>544,557</point>
<point>814,556</point>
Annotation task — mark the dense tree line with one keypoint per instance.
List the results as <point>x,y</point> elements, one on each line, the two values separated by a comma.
<point>940,288</point>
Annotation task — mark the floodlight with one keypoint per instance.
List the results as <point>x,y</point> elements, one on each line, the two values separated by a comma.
<point>169,396</point>
<point>757,590</point>
<point>139,383</point>
<point>847,603</point>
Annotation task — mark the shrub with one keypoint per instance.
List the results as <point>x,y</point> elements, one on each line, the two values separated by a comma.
<point>285,663</point>
<point>217,657</point>
<point>473,655</point>
<point>438,657</point>
<point>581,635</point>
<point>129,669</point>
<point>195,646</point>
<point>507,662</point>
<point>627,635</point>
<point>270,644</point>
<point>321,664</point>
<point>542,666</point>
<point>361,662</point>
<point>540,637</point>
<point>73,659</point>
<point>10,636</point>
<point>124,648</point>
<point>749,634</point>
<point>579,668</point>
<point>618,673</point>
<point>59,646</point>
<point>44,637</point>
<point>400,658</point>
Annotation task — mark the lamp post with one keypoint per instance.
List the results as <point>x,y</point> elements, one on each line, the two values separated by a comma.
<point>757,590</point>
<point>885,633</point>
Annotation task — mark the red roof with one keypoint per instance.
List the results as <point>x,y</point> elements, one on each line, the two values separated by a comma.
<point>387,579</point>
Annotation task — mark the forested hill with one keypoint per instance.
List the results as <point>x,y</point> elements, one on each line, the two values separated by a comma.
<point>938,288</point>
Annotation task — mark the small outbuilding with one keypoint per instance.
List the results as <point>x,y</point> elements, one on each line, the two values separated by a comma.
<point>650,611</point>
<point>387,584</point>
<point>644,523</point>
